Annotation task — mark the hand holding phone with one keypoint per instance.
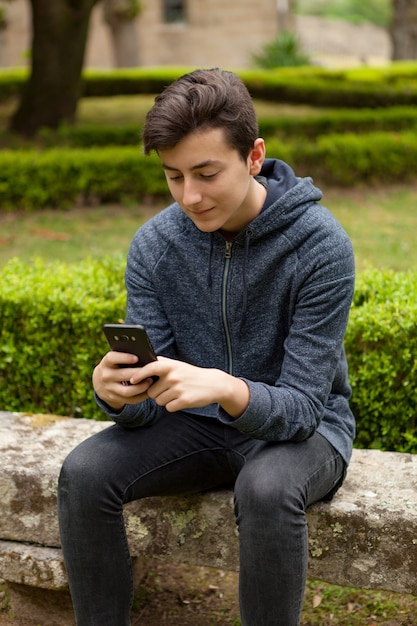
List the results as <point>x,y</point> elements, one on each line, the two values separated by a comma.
<point>132,339</point>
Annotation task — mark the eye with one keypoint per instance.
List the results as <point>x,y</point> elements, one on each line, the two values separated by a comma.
<point>176,177</point>
<point>208,175</point>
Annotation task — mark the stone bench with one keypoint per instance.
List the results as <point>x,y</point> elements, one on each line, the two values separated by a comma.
<point>365,538</point>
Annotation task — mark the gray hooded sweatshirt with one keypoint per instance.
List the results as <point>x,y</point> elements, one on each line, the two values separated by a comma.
<point>270,307</point>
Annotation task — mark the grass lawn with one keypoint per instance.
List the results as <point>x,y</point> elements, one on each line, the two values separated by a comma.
<point>381,223</point>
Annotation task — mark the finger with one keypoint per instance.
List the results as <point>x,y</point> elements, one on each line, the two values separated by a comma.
<point>122,392</point>
<point>115,359</point>
<point>151,370</point>
<point>137,389</point>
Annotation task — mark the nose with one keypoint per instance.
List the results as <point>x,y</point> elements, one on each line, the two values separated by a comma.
<point>191,194</point>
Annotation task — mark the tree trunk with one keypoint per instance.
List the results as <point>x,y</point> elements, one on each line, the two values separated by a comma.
<point>286,10</point>
<point>51,94</point>
<point>123,32</point>
<point>403,29</point>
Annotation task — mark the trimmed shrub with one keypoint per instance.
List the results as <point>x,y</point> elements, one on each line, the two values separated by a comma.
<point>349,159</point>
<point>51,333</point>
<point>309,126</point>
<point>93,135</point>
<point>358,87</point>
<point>11,82</point>
<point>339,121</point>
<point>353,88</point>
<point>51,339</point>
<point>60,178</point>
<point>381,345</point>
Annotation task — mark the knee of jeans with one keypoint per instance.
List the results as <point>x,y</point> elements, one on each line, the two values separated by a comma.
<point>258,491</point>
<point>80,475</point>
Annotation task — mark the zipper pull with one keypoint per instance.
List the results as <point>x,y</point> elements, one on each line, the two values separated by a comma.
<point>228,250</point>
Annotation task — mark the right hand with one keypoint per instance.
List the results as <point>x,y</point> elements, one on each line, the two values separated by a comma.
<point>108,379</point>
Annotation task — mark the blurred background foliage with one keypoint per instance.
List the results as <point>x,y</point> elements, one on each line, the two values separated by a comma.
<point>355,11</point>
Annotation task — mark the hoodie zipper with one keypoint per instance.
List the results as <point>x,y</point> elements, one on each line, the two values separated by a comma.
<point>227,256</point>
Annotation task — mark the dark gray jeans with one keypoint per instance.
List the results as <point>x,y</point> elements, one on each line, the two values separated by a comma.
<point>274,483</point>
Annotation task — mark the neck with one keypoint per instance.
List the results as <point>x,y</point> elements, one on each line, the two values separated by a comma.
<point>259,197</point>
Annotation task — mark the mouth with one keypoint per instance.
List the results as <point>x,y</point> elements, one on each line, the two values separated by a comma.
<point>200,212</point>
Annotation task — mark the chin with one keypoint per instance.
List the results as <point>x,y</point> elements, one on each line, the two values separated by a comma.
<point>207,227</point>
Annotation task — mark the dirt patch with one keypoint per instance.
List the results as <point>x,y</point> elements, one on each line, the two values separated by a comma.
<point>187,596</point>
<point>182,595</point>
<point>174,595</point>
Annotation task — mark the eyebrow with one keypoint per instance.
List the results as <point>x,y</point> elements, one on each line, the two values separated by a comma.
<point>198,166</point>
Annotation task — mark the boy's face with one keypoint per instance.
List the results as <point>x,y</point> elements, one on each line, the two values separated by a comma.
<point>211,182</point>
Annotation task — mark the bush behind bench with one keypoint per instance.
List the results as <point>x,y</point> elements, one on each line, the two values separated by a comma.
<point>51,338</point>
<point>381,344</point>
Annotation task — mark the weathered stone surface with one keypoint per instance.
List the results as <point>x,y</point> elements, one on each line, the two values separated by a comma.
<point>366,537</point>
<point>198,529</point>
<point>32,449</point>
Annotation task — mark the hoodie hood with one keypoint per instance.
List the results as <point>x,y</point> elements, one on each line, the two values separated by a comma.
<point>287,197</point>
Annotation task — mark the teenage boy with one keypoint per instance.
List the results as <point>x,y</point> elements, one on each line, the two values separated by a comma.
<point>244,285</point>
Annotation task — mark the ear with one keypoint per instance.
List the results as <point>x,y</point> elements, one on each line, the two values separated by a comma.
<point>256,156</point>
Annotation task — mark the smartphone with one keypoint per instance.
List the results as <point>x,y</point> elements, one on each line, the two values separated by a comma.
<point>132,339</point>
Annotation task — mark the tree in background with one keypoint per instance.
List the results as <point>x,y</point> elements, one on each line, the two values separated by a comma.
<point>3,26</point>
<point>3,18</point>
<point>59,36</point>
<point>120,17</point>
<point>403,29</point>
<point>285,9</point>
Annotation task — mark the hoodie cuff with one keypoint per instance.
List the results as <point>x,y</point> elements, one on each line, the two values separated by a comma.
<point>124,413</point>
<point>256,414</point>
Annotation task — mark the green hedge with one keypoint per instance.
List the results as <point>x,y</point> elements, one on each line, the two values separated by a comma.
<point>332,92</point>
<point>292,127</point>
<point>50,335</point>
<point>359,87</point>
<point>306,85</point>
<point>362,121</point>
<point>60,177</point>
<point>11,82</point>
<point>349,159</point>
<point>381,344</point>
<point>51,338</point>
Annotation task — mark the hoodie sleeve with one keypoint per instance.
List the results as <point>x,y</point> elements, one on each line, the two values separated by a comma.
<point>143,307</point>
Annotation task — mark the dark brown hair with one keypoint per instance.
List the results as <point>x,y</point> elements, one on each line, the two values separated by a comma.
<point>202,100</point>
